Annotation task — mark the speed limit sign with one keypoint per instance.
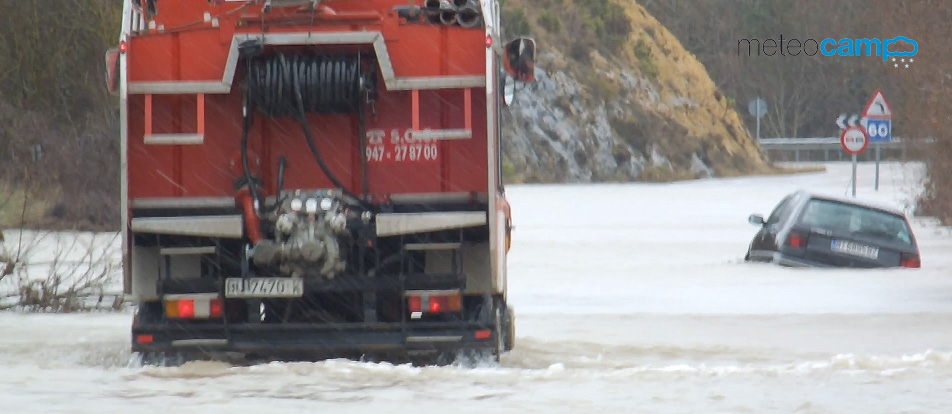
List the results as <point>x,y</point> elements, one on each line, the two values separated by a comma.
<point>854,140</point>
<point>879,130</point>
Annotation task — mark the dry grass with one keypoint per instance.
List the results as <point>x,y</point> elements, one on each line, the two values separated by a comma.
<point>43,271</point>
<point>21,208</point>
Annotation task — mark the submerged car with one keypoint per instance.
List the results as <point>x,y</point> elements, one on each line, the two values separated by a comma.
<point>813,230</point>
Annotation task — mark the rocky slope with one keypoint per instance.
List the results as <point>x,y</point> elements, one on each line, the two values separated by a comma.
<point>616,98</point>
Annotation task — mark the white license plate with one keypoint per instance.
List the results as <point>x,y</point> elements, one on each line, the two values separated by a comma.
<point>855,249</point>
<point>264,287</point>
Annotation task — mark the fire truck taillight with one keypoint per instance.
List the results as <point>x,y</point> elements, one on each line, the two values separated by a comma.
<point>420,303</point>
<point>193,307</point>
<point>123,47</point>
<point>489,40</point>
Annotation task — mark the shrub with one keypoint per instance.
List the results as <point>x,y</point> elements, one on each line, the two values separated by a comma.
<point>514,21</point>
<point>646,60</point>
<point>550,22</point>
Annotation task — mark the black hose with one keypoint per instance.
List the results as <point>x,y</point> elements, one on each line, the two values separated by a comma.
<point>325,84</point>
<point>249,181</point>
<point>281,85</point>
<point>282,167</point>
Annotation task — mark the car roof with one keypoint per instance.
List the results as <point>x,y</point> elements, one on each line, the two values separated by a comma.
<point>870,204</point>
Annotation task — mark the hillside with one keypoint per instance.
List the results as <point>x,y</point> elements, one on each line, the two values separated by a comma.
<point>617,98</point>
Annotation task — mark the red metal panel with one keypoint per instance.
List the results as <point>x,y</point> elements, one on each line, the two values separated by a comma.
<point>203,57</point>
<point>420,48</point>
<point>150,166</point>
<point>465,160</point>
<point>201,113</point>
<point>149,58</point>
<point>200,53</point>
<point>207,169</point>
<point>393,119</point>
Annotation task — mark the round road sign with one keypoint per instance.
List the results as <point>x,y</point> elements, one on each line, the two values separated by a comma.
<point>854,140</point>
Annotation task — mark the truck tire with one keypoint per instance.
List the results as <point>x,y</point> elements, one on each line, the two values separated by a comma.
<point>509,323</point>
<point>163,359</point>
<point>499,332</point>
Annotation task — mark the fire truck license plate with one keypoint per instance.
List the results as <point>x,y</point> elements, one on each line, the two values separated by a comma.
<point>264,287</point>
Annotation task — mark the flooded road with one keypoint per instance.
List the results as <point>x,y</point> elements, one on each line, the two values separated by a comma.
<point>629,298</point>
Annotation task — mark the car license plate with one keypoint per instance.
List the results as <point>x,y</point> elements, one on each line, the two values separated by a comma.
<point>264,287</point>
<point>855,249</point>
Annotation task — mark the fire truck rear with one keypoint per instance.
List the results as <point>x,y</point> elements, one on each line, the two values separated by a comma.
<point>312,179</point>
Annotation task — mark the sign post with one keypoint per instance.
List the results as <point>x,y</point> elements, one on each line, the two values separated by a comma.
<point>878,117</point>
<point>854,141</point>
<point>757,108</point>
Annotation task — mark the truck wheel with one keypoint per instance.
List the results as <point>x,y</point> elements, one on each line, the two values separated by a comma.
<point>162,359</point>
<point>499,331</point>
<point>509,323</point>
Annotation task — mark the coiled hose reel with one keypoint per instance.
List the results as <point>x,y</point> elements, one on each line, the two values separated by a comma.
<point>294,85</point>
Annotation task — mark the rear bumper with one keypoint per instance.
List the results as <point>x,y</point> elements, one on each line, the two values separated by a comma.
<point>782,259</point>
<point>790,261</point>
<point>311,340</point>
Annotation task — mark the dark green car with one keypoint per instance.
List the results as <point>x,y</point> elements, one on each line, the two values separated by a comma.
<point>813,230</point>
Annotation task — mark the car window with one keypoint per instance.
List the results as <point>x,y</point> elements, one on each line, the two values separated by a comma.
<point>857,220</point>
<point>781,210</point>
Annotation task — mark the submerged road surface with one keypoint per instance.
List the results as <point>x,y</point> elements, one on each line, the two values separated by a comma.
<point>629,298</point>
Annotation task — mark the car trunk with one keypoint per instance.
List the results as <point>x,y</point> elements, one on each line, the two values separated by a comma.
<point>839,248</point>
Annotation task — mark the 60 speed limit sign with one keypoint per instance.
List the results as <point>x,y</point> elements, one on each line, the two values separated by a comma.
<point>854,140</point>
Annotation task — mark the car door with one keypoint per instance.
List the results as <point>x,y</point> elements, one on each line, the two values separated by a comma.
<point>766,237</point>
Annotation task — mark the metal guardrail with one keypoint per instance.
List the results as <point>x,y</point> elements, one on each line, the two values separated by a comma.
<point>821,149</point>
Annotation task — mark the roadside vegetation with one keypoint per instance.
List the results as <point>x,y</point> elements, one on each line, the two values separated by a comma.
<point>58,135</point>
<point>58,157</point>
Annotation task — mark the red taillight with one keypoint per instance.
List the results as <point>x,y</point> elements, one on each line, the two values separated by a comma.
<point>144,339</point>
<point>186,308</point>
<point>797,241</point>
<point>437,303</point>
<point>482,335</point>
<point>489,41</point>
<point>909,260</point>
<point>434,303</point>
<point>215,308</point>
<point>415,304</point>
<point>123,47</point>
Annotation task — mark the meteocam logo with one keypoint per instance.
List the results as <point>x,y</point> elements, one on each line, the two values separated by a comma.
<point>899,46</point>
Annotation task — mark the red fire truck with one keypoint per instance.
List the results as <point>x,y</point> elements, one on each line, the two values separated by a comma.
<point>315,178</point>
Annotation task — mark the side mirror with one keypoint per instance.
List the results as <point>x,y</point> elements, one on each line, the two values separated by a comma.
<point>519,59</point>
<point>756,219</point>
<point>508,90</point>
<point>112,70</point>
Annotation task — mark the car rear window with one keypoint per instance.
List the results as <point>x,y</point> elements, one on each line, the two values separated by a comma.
<point>857,220</point>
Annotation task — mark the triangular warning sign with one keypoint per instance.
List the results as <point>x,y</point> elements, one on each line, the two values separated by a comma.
<point>877,106</point>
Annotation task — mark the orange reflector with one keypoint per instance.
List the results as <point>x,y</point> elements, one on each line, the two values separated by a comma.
<point>454,303</point>
<point>144,339</point>
<point>171,309</point>
<point>215,308</point>
<point>482,335</point>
